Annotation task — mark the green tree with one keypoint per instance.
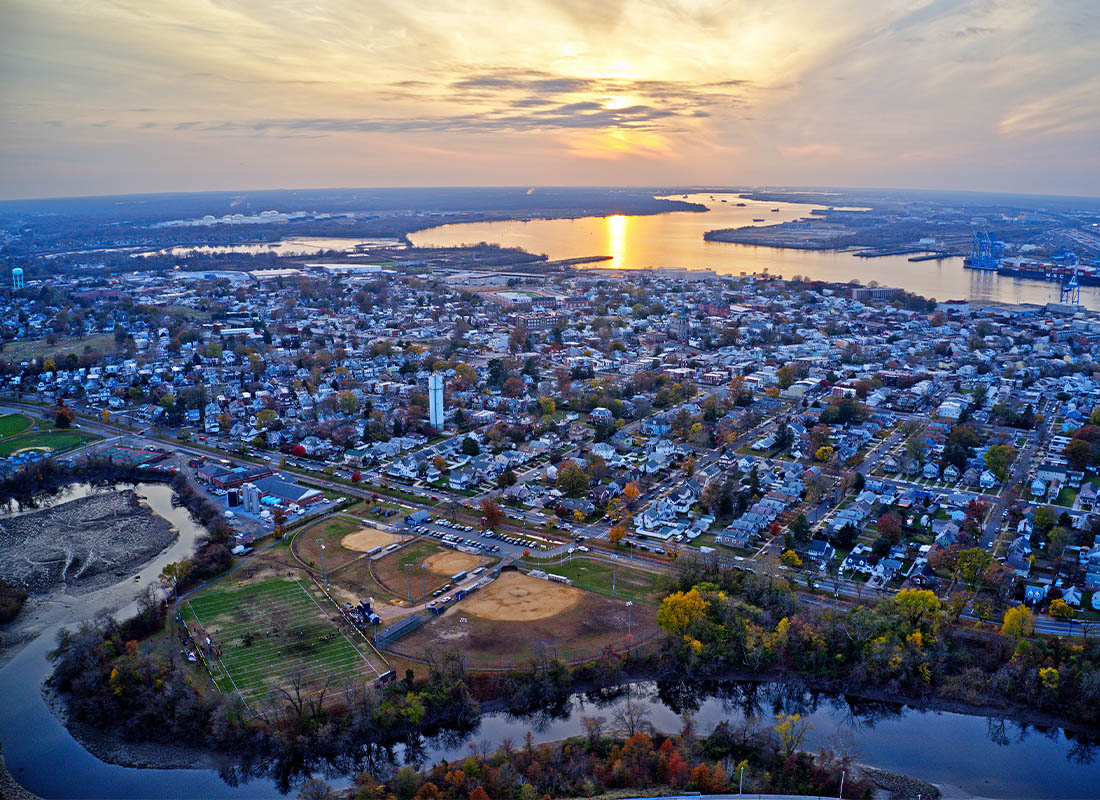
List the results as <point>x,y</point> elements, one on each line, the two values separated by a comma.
<point>998,458</point>
<point>1045,519</point>
<point>349,403</point>
<point>971,567</point>
<point>572,479</point>
<point>470,447</point>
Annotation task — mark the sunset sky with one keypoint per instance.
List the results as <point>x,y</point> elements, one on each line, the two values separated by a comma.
<point>103,96</point>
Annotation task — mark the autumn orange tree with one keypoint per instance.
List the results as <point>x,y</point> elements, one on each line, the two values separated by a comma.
<point>491,515</point>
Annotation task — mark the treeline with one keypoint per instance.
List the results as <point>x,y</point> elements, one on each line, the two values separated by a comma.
<point>113,682</point>
<point>909,645</point>
<point>50,474</point>
<point>728,760</point>
<point>212,553</point>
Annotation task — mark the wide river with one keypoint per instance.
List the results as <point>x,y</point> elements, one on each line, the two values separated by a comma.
<point>979,756</point>
<point>676,240</point>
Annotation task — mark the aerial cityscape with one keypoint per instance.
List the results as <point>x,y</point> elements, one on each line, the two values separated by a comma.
<point>671,399</point>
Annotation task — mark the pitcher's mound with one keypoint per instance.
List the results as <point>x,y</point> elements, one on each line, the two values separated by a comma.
<point>515,597</point>
<point>367,539</point>
<point>451,562</point>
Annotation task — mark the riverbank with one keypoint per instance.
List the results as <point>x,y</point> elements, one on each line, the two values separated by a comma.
<point>79,554</point>
<point>111,748</point>
<point>10,788</point>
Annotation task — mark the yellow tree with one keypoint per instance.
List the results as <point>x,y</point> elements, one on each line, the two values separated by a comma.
<point>616,534</point>
<point>791,730</point>
<point>680,610</point>
<point>919,606</point>
<point>1060,609</point>
<point>1018,623</point>
<point>790,559</point>
<point>631,492</point>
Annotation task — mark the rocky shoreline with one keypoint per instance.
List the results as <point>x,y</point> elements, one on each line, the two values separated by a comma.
<point>81,545</point>
<point>10,788</point>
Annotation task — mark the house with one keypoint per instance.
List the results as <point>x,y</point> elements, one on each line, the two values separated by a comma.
<point>1072,596</point>
<point>924,576</point>
<point>585,507</point>
<point>820,551</point>
<point>888,568</point>
<point>931,471</point>
<point>987,480</point>
<point>950,473</point>
<point>1019,556</point>
<point>859,560</point>
<point>1034,593</point>
<point>734,537</point>
<point>601,414</point>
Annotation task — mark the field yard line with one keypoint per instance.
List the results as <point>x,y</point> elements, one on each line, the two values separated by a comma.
<point>349,641</point>
<point>261,664</point>
<point>220,667</point>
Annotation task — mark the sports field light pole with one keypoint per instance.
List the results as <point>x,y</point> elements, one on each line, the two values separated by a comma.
<point>321,551</point>
<point>741,780</point>
<point>407,572</point>
<point>465,641</point>
<point>629,603</point>
<point>614,565</point>
<point>424,574</point>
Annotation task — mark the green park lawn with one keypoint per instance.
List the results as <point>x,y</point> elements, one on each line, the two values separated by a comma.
<point>12,424</point>
<point>55,441</point>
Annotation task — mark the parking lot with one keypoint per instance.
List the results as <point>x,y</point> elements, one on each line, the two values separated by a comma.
<point>500,544</point>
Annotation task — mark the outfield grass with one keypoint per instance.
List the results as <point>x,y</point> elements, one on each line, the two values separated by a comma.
<point>595,576</point>
<point>39,348</point>
<point>271,631</point>
<point>57,441</point>
<point>331,531</point>
<point>12,424</point>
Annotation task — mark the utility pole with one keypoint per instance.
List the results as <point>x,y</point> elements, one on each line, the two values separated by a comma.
<point>741,780</point>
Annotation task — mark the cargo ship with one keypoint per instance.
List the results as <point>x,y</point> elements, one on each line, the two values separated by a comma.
<point>1034,269</point>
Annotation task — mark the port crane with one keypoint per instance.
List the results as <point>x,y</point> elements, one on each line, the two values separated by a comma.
<point>1070,293</point>
<point>986,252</point>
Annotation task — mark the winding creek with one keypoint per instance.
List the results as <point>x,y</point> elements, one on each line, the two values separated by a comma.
<point>979,756</point>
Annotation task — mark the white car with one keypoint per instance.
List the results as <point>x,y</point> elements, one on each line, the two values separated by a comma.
<point>583,549</point>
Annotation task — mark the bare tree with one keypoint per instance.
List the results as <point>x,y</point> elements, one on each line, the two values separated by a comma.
<point>631,716</point>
